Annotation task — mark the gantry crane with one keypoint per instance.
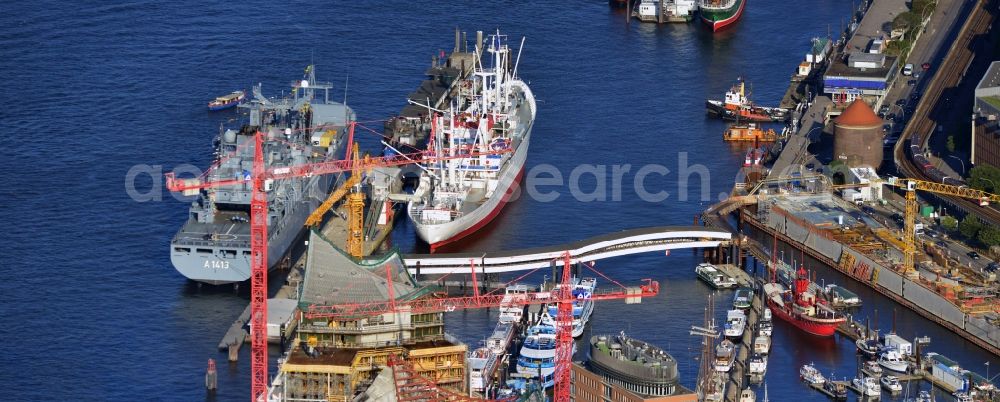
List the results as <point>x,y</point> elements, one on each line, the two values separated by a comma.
<point>561,295</point>
<point>910,210</point>
<point>258,225</point>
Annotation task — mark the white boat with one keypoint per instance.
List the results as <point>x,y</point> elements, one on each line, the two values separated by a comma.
<point>500,340</point>
<point>961,396</point>
<point>647,10</point>
<point>924,396</point>
<point>866,386</point>
<point>872,369</point>
<point>747,395</point>
<point>489,121</point>
<point>736,322</point>
<point>483,366</point>
<point>714,277</point>
<point>725,356</point>
<point>762,344</point>
<point>511,306</point>
<point>757,365</point>
<point>765,328</point>
<point>583,306</point>
<point>538,352</point>
<point>809,374</point>
<point>891,383</point>
<point>893,360</point>
<point>766,316</point>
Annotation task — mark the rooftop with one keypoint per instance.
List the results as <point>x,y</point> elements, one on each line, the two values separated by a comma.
<point>344,357</point>
<point>633,357</point>
<point>858,114</point>
<point>839,68</point>
<point>824,210</point>
<point>332,277</point>
<point>992,77</point>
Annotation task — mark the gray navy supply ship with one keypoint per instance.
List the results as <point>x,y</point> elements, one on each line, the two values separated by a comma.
<point>213,246</point>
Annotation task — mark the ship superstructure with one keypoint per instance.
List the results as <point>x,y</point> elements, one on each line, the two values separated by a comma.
<point>213,245</point>
<point>458,196</point>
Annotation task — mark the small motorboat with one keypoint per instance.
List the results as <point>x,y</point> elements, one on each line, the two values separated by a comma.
<point>867,386</point>
<point>891,384</point>
<point>961,396</point>
<point>743,299</point>
<point>924,396</point>
<point>872,369</point>
<point>809,374</point>
<point>736,321</point>
<point>893,360</point>
<point>227,101</point>
<point>765,328</point>
<point>870,348</point>
<point>762,344</point>
<point>747,395</point>
<point>836,389</point>
<point>725,356</point>
<point>758,364</point>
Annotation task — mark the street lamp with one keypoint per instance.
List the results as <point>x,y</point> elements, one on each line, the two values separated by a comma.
<point>959,161</point>
<point>992,184</point>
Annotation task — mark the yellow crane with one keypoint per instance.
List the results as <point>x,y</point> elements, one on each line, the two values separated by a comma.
<point>355,207</point>
<point>910,211</point>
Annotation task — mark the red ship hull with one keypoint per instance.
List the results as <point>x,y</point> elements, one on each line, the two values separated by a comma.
<point>489,218</point>
<point>815,326</point>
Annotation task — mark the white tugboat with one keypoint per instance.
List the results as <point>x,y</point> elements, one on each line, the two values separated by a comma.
<point>458,196</point>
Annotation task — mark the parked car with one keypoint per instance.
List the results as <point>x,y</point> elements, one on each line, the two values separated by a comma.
<point>992,267</point>
<point>941,243</point>
<point>900,102</point>
<point>908,69</point>
<point>926,66</point>
<point>911,82</point>
<point>883,110</point>
<point>973,255</point>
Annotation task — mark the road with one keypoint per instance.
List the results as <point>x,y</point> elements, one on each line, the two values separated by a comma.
<point>948,74</point>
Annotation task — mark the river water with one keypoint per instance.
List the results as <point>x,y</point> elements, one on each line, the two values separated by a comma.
<point>93,308</point>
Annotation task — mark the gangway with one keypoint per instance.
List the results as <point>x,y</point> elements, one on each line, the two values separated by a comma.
<point>626,242</point>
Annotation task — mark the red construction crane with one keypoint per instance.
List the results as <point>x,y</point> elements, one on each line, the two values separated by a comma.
<point>562,296</point>
<point>258,225</point>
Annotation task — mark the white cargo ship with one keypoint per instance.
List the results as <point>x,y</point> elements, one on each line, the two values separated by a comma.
<point>458,196</point>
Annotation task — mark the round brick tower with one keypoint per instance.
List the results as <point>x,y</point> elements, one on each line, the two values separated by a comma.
<point>857,136</point>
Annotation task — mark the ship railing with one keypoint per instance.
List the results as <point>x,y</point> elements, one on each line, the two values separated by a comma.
<point>212,243</point>
<point>418,214</point>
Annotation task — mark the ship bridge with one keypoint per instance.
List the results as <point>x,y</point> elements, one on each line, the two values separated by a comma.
<point>626,242</point>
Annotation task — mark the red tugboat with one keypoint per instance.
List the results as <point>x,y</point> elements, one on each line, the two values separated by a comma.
<point>801,308</point>
<point>738,107</point>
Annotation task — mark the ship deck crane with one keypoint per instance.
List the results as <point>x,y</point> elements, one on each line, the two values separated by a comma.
<point>562,296</point>
<point>911,186</point>
<point>258,225</point>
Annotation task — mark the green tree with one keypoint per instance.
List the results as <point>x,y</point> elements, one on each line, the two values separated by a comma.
<point>951,144</point>
<point>920,7</point>
<point>970,227</point>
<point>949,223</point>
<point>989,236</point>
<point>905,21</point>
<point>984,177</point>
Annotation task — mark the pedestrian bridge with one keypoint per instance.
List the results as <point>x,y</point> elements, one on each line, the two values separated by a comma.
<point>626,242</point>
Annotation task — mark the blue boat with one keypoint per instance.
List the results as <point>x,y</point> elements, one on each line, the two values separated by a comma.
<point>228,101</point>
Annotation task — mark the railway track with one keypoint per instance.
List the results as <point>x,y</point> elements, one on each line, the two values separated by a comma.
<point>918,131</point>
